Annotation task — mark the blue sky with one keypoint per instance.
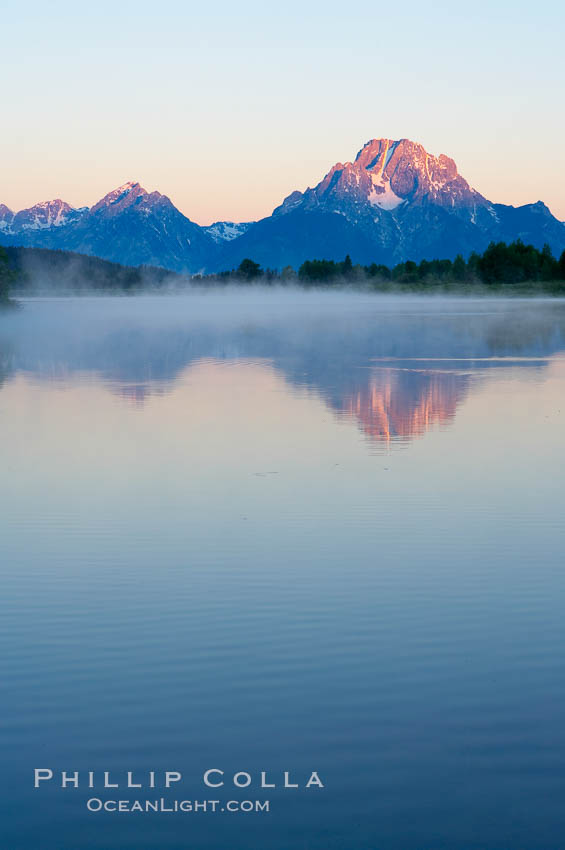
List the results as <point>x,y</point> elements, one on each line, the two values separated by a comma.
<point>228,107</point>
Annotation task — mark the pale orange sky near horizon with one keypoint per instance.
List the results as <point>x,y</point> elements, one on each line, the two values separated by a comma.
<point>229,110</point>
<point>255,190</point>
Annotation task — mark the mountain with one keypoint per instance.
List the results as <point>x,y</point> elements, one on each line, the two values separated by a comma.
<point>394,202</point>
<point>128,225</point>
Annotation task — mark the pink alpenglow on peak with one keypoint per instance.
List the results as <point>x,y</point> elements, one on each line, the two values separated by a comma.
<point>387,174</point>
<point>44,215</point>
<point>121,198</point>
<point>415,175</point>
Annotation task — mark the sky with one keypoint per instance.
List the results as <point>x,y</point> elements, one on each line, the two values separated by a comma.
<point>227,107</point>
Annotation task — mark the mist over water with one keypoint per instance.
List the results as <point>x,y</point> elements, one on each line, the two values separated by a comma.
<point>286,530</point>
<point>313,338</point>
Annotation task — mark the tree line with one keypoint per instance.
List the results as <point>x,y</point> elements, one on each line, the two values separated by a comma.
<point>7,276</point>
<point>31,269</point>
<point>499,264</point>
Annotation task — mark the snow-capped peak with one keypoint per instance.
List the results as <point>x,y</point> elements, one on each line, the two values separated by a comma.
<point>226,231</point>
<point>43,215</point>
<point>6,217</point>
<point>124,190</point>
<point>127,193</point>
<point>387,174</point>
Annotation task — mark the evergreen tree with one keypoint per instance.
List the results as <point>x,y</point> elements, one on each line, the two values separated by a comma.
<point>6,276</point>
<point>378,270</point>
<point>547,264</point>
<point>319,271</point>
<point>473,265</point>
<point>249,270</point>
<point>347,267</point>
<point>459,268</point>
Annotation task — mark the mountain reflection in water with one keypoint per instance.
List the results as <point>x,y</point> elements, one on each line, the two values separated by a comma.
<point>394,367</point>
<point>403,404</point>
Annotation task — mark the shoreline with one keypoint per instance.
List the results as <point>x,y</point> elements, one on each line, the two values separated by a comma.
<point>504,291</point>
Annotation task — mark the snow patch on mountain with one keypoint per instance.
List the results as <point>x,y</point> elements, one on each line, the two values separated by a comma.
<point>45,215</point>
<point>227,231</point>
<point>382,195</point>
<point>6,218</point>
<point>120,193</point>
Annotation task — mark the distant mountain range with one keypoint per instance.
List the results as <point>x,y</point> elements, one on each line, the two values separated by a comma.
<point>395,202</point>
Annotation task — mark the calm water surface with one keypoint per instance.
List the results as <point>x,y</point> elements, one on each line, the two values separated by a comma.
<point>277,532</point>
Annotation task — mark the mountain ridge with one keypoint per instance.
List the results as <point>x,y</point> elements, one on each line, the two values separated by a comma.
<point>393,202</point>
